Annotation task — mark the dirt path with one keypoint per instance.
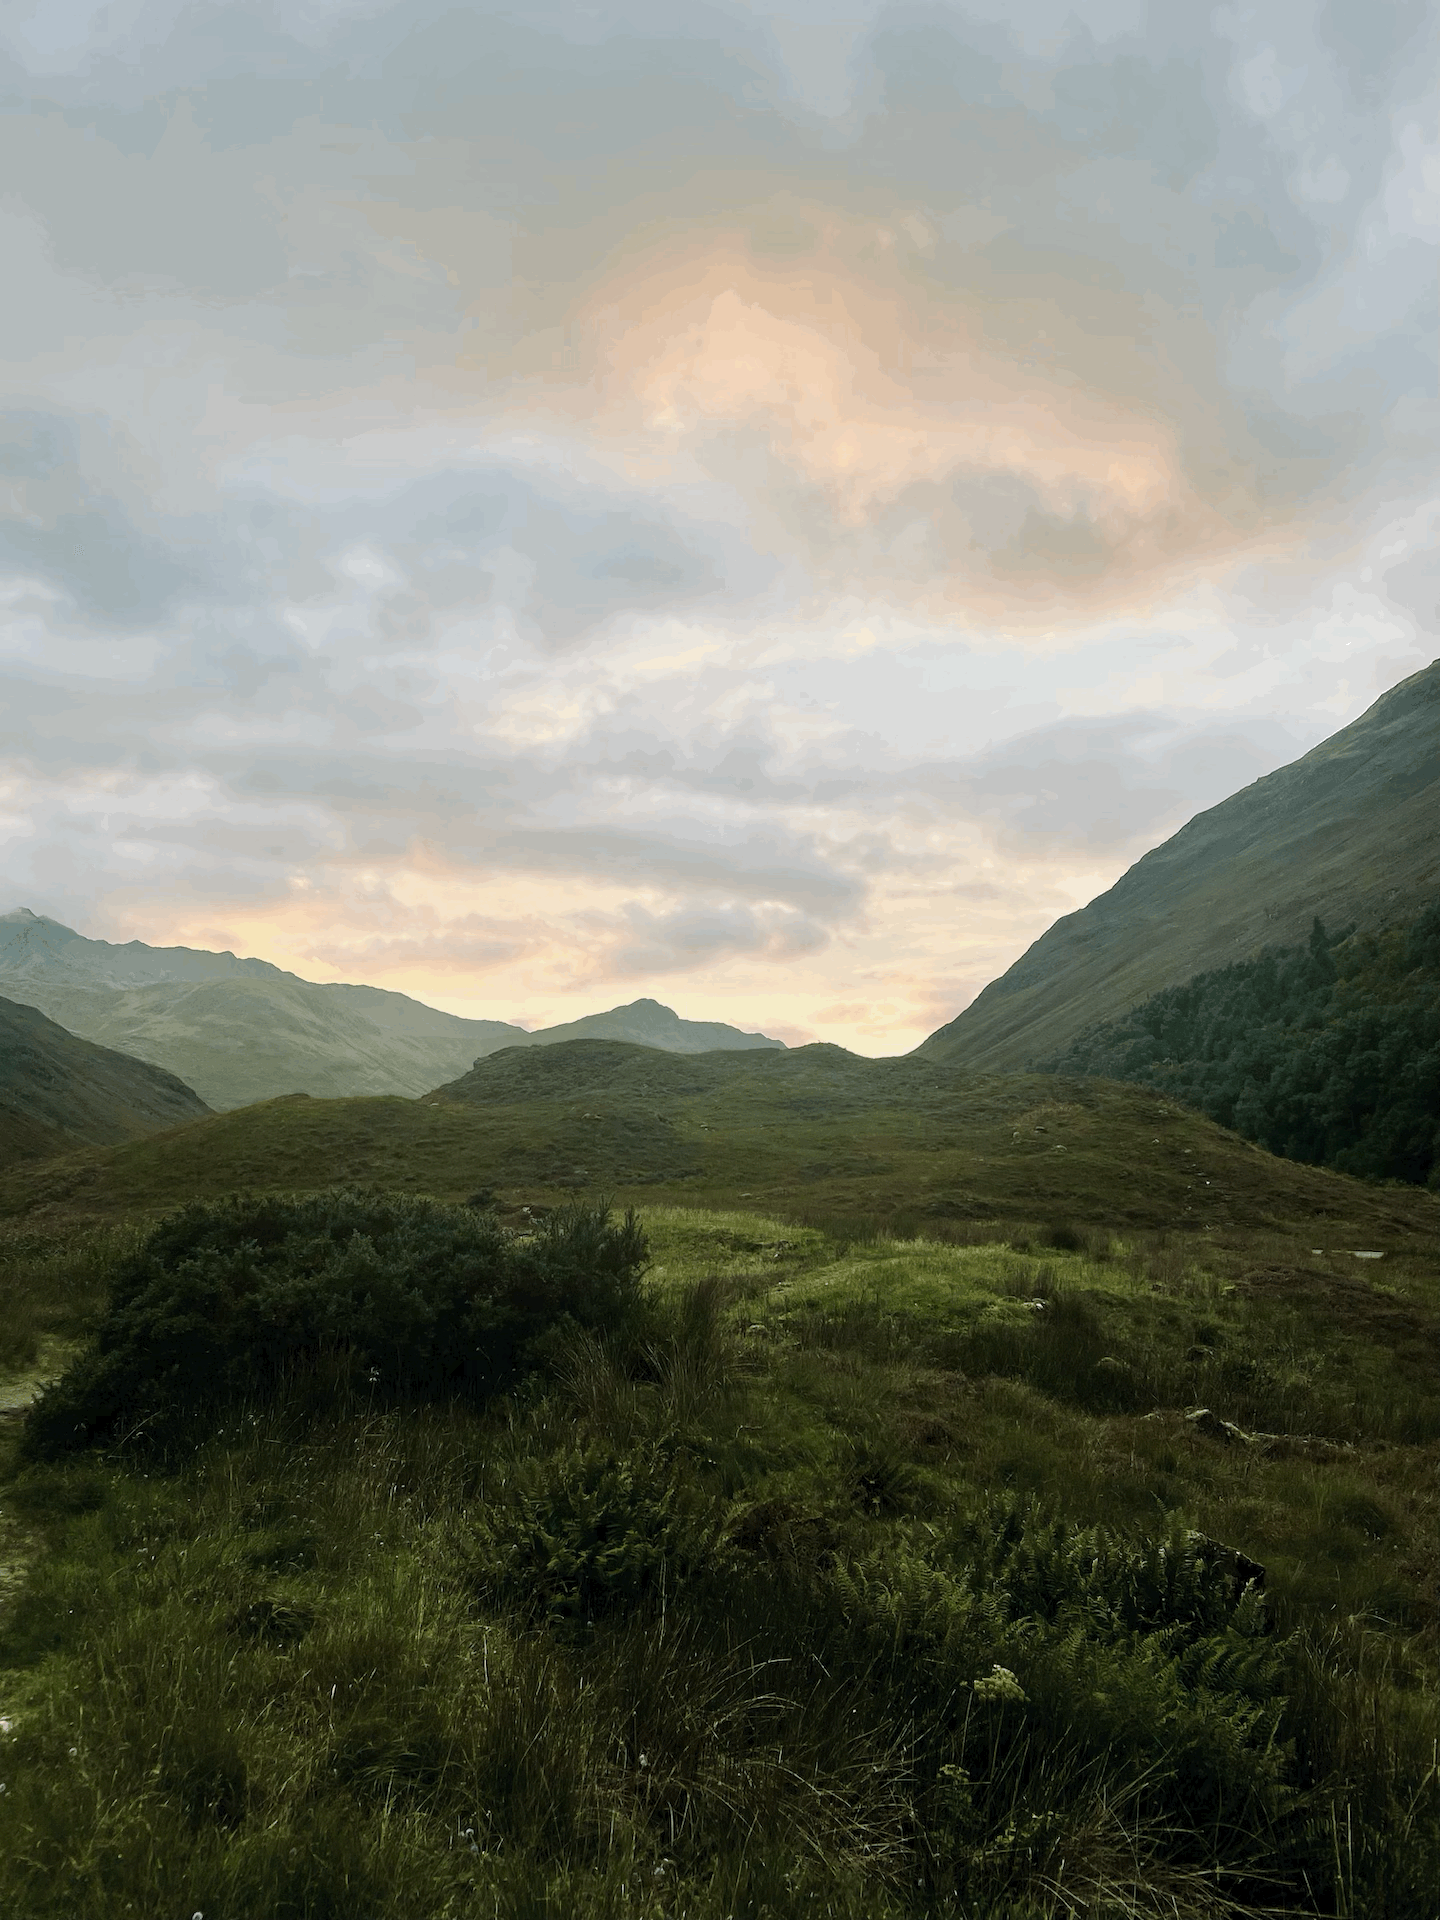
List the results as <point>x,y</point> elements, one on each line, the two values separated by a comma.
<point>16,1395</point>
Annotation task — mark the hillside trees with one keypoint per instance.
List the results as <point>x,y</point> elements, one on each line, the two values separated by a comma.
<point>1327,1052</point>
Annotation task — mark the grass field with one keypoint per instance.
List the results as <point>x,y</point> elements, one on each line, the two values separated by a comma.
<point>879,1572</point>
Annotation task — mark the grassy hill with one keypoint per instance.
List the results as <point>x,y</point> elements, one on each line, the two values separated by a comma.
<point>56,1089</point>
<point>1347,833</point>
<point>814,1134</point>
<point>1004,1496</point>
<point>253,1038</point>
<point>24,1139</point>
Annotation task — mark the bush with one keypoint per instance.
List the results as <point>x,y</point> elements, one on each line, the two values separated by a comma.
<point>402,1297</point>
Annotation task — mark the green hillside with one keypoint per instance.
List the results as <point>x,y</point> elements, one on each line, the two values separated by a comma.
<point>1347,833</point>
<point>250,1038</point>
<point>1004,1496</point>
<point>1327,1052</point>
<point>54,1086</point>
<point>24,1139</point>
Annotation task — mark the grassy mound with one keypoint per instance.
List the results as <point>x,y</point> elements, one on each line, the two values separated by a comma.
<point>222,1302</point>
<point>813,1135</point>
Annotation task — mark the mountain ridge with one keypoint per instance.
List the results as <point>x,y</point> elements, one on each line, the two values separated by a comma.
<point>240,1030</point>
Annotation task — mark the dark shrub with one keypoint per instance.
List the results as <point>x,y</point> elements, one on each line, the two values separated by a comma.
<point>1065,1238</point>
<point>400,1296</point>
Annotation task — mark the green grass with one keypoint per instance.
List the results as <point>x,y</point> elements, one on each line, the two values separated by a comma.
<point>760,1611</point>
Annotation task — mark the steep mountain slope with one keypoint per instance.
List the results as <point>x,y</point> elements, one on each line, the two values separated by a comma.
<point>243,1030</point>
<point>40,948</point>
<point>24,1139</point>
<point>236,1029</point>
<point>1350,833</point>
<point>240,1039</point>
<point>49,1079</point>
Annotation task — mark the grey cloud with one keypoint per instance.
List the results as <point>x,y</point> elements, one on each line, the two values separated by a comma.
<point>1414,584</point>
<point>179,213</point>
<point>1113,208</point>
<point>66,528</point>
<point>357,792</point>
<point>587,560</point>
<point>1246,239</point>
<point>1111,782</point>
<point>694,937</point>
<point>1122,162</point>
<point>1368,39</point>
<point>561,564</point>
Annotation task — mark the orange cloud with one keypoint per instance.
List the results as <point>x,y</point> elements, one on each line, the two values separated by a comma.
<point>877,423</point>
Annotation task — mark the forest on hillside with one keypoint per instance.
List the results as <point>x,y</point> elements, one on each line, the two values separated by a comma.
<point>1326,1051</point>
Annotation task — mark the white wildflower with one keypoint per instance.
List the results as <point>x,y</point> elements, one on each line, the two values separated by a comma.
<point>999,1684</point>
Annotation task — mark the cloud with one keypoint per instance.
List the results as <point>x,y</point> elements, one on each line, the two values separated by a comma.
<point>781,503</point>
<point>64,534</point>
<point>684,940</point>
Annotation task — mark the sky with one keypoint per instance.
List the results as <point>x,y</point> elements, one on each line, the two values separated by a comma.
<point>763,507</point>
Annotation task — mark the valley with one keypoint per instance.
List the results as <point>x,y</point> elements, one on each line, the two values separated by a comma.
<point>851,1570</point>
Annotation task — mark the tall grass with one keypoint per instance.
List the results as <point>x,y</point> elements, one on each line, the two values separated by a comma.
<point>51,1294</point>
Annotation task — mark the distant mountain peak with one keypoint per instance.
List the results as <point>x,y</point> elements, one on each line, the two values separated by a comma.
<point>651,1023</point>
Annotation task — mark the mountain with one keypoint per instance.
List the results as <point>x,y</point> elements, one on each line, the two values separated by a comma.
<point>645,1023</point>
<point>39,948</point>
<point>237,1030</point>
<point>1349,834</point>
<point>241,1030</point>
<point>24,1139</point>
<point>56,1090</point>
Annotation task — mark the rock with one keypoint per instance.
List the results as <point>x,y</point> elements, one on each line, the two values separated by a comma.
<point>784,1532</point>
<point>1242,1570</point>
<point>1202,1420</point>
